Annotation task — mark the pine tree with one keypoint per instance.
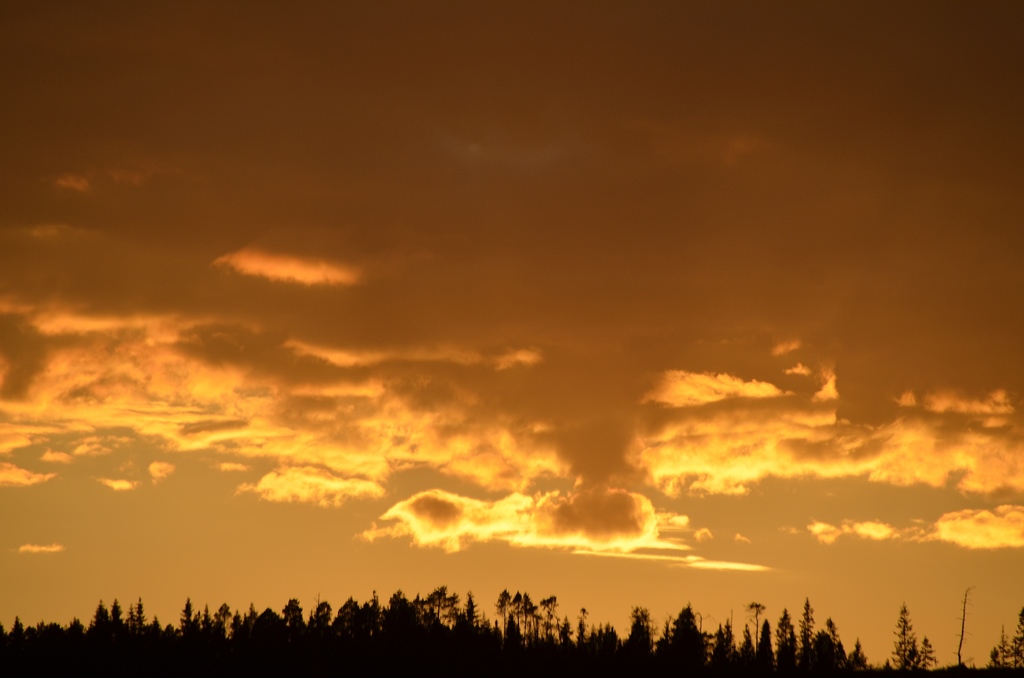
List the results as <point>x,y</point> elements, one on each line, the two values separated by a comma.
<point>927,654</point>
<point>905,652</point>
<point>785,644</point>
<point>765,659</point>
<point>1017,644</point>
<point>805,651</point>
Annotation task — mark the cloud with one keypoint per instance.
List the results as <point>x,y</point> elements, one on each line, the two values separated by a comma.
<point>596,520</point>
<point>784,347</point>
<point>679,388</point>
<point>703,534</point>
<point>872,529</point>
<point>727,448</point>
<point>14,476</point>
<point>907,399</point>
<point>800,369</point>
<point>828,390</point>
<point>57,457</point>
<point>739,538</point>
<point>1002,527</point>
<point>312,485</point>
<point>72,182</point>
<point>118,485</point>
<point>997,402</point>
<point>521,357</point>
<point>230,466</point>
<point>40,548</point>
<point>160,470</point>
<point>289,268</point>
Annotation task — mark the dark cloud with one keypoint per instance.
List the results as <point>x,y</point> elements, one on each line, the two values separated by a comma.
<point>435,509</point>
<point>24,352</point>
<point>600,513</point>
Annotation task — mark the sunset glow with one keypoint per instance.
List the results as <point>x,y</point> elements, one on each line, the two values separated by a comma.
<point>637,304</point>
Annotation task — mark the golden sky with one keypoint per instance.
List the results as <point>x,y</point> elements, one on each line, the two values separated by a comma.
<point>630,303</point>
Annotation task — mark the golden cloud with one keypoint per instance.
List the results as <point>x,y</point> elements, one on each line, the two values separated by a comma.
<point>40,548</point>
<point>599,520</point>
<point>289,268</point>
<point>1002,527</point>
<point>521,357</point>
<point>118,485</point>
<point>871,529</point>
<point>997,402</point>
<point>800,369</point>
<point>57,457</point>
<point>232,466</point>
<point>784,347</point>
<point>14,476</point>
<point>160,470</point>
<point>679,388</point>
<point>311,485</point>
<point>828,390</point>
<point>726,448</point>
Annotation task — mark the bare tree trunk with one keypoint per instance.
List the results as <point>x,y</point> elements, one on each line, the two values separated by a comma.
<point>963,623</point>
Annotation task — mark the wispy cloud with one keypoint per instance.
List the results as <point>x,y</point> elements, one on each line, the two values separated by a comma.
<point>160,470</point>
<point>1002,527</point>
<point>118,485</point>
<point>72,182</point>
<point>40,548</point>
<point>679,388</point>
<point>15,476</point>
<point>312,485</point>
<point>57,457</point>
<point>289,268</point>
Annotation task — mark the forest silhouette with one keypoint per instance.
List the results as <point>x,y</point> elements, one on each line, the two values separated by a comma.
<point>441,633</point>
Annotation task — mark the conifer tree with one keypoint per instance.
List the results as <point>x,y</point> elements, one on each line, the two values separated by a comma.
<point>905,652</point>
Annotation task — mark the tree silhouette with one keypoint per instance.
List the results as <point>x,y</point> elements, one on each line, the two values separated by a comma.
<point>905,652</point>
<point>785,644</point>
<point>805,650</point>
<point>764,660</point>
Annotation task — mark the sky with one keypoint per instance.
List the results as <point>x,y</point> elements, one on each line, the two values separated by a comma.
<point>635,304</point>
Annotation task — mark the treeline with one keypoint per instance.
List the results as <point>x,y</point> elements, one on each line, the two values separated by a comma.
<point>441,632</point>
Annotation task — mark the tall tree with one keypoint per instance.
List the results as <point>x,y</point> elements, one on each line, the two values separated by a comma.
<point>785,644</point>
<point>1017,644</point>
<point>905,652</point>
<point>805,650</point>
<point>765,659</point>
<point>687,646</point>
<point>504,601</point>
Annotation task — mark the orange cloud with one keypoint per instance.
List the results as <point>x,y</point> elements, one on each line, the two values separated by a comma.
<point>232,466</point>
<point>590,521</point>
<point>800,369</point>
<point>57,457</point>
<point>679,388</point>
<point>40,548</point>
<point>997,402</point>
<point>160,470</point>
<point>288,268</point>
<point>828,390</point>
<point>1002,527</point>
<point>118,485</point>
<point>521,357</point>
<point>72,182</point>
<point>14,476</point>
<point>871,529</point>
<point>311,485</point>
<point>784,347</point>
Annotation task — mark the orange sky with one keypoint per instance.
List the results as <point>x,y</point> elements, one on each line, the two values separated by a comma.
<point>629,303</point>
